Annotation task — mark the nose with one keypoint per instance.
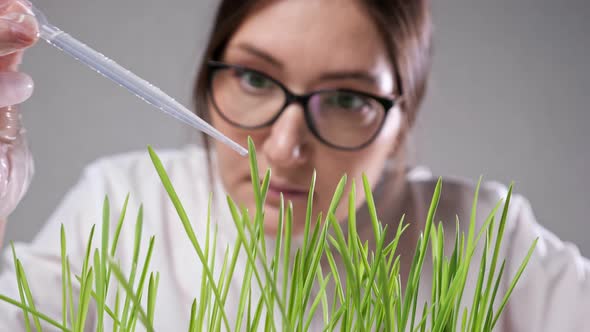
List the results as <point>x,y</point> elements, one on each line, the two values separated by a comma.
<point>288,144</point>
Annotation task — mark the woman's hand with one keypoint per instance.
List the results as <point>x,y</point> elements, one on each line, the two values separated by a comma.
<point>18,30</point>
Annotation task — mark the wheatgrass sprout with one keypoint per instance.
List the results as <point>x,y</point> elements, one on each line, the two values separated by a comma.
<point>93,285</point>
<point>286,288</point>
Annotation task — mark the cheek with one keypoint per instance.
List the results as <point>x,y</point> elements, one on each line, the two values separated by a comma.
<point>369,161</point>
<point>238,135</point>
<point>232,167</point>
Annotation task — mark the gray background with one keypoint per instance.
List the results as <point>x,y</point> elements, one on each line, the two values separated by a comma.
<point>508,98</point>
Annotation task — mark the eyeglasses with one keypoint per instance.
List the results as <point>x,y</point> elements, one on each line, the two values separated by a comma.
<point>341,118</point>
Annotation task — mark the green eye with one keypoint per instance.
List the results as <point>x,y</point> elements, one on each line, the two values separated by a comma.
<point>347,101</point>
<point>254,80</point>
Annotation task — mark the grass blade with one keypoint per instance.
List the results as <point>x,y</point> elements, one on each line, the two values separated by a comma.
<point>129,290</point>
<point>40,315</point>
<point>514,281</point>
<point>64,295</point>
<point>19,279</point>
<point>187,227</point>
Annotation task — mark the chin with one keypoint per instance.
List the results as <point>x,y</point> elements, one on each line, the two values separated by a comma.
<point>271,228</point>
<point>271,221</point>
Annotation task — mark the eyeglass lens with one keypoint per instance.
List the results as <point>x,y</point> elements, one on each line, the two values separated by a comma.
<point>250,99</point>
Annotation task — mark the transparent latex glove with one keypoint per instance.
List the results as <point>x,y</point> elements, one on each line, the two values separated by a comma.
<point>18,30</point>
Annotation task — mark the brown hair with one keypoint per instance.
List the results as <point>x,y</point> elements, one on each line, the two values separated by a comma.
<point>404,24</point>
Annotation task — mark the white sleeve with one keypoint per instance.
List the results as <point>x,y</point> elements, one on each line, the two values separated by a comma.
<point>554,292</point>
<point>41,258</point>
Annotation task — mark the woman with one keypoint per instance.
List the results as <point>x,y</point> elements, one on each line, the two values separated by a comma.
<point>331,86</point>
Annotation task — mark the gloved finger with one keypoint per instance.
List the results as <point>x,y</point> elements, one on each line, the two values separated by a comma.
<point>11,62</point>
<point>6,3</point>
<point>17,31</point>
<point>15,88</point>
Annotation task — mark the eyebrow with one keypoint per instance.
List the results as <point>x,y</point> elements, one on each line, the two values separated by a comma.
<point>358,75</point>
<point>261,54</point>
<point>347,75</point>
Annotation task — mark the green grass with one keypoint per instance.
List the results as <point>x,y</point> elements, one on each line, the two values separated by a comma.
<point>368,290</point>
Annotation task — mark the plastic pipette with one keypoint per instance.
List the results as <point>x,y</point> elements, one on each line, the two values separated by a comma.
<point>141,88</point>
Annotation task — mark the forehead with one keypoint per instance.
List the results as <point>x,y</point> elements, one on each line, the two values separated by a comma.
<point>312,35</point>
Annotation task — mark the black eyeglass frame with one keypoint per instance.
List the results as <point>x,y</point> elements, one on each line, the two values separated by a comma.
<point>303,100</point>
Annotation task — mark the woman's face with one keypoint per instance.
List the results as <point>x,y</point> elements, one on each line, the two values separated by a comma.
<point>308,46</point>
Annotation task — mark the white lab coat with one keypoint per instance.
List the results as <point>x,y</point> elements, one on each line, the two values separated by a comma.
<point>553,294</point>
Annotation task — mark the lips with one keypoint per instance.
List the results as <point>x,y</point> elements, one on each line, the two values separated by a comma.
<point>291,192</point>
<point>287,189</point>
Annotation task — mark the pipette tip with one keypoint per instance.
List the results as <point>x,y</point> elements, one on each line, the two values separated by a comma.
<point>241,150</point>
